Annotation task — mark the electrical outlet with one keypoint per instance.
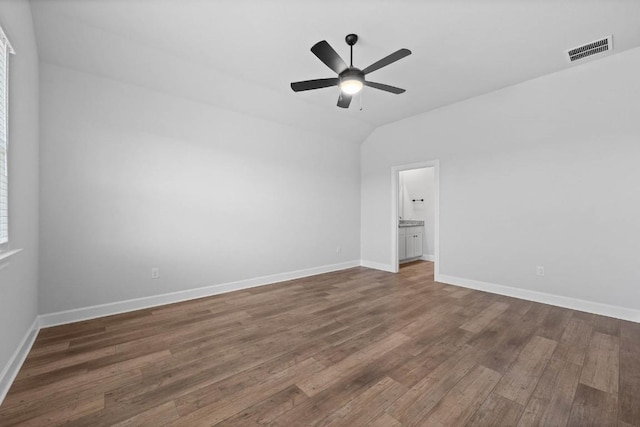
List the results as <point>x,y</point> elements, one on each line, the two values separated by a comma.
<point>540,270</point>
<point>155,273</point>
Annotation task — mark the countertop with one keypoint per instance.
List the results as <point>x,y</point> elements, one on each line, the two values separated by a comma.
<point>410,223</point>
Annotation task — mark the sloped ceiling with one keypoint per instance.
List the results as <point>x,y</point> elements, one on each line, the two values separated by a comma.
<point>242,55</point>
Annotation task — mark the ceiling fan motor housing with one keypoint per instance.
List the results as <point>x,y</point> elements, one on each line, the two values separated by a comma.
<point>351,80</point>
<point>352,73</point>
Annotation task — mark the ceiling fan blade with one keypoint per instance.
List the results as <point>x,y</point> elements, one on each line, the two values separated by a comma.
<point>344,100</point>
<point>395,56</point>
<point>313,84</point>
<point>386,88</point>
<point>330,57</point>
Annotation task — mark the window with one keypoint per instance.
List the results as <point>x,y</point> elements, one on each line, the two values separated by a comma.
<point>5,50</point>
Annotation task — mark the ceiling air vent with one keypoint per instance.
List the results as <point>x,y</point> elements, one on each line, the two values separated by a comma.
<point>598,46</point>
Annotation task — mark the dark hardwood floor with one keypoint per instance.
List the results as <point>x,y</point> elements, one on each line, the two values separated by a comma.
<point>356,347</point>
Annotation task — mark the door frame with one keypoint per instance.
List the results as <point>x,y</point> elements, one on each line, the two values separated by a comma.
<point>395,178</point>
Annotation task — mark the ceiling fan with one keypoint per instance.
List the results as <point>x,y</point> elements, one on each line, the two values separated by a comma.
<point>350,79</point>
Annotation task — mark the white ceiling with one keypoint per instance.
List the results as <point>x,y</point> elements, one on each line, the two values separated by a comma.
<point>242,55</point>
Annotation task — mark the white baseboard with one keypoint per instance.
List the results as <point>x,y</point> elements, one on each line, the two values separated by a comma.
<point>545,298</point>
<point>92,312</point>
<point>377,266</point>
<point>11,369</point>
<point>426,257</point>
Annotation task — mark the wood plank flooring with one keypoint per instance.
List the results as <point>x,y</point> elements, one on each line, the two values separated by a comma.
<point>355,347</point>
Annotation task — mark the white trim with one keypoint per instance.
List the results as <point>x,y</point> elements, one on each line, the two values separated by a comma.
<point>92,312</point>
<point>395,177</point>
<point>377,266</point>
<point>545,298</point>
<point>11,369</point>
<point>408,260</point>
<point>5,40</point>
<point>426,257</point>
<point>7,254</point>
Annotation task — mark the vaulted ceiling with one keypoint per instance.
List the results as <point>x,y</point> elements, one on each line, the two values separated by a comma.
<point>242,55</point>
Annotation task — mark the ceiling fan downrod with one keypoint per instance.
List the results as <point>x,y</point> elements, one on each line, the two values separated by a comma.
<point>351,39</point>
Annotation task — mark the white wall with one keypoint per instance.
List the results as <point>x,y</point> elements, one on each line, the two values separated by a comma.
<point>541,173</point>
<point>420,184</point>
<point>19,275</point>
<point>133,179</point>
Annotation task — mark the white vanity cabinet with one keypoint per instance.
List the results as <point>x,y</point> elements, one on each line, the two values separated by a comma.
<point>409,242</point>
<point>402,243</point>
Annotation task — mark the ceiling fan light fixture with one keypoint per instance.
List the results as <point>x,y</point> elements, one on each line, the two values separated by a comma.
<point>351,86</point>
<point>351,81</point>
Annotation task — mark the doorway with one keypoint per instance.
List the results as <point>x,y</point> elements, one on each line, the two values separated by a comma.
<point>415,210</point>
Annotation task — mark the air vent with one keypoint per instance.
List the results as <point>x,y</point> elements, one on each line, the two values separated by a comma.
<point>589,49</point>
